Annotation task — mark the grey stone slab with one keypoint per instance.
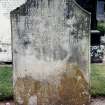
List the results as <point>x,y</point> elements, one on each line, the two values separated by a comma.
<point>51,53</point>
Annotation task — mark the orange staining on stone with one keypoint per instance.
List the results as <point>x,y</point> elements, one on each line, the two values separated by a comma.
<point>72,89</point>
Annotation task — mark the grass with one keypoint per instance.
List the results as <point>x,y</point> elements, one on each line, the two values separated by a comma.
<point>6,90</point>
<point>98,79</point>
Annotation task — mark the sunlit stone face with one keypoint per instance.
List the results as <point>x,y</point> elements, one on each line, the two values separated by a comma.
<point>50,53</point>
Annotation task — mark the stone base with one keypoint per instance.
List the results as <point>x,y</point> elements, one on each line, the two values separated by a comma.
<point>72,89</point>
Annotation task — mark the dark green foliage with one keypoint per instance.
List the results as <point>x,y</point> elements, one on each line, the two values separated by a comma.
<point>101,26</point>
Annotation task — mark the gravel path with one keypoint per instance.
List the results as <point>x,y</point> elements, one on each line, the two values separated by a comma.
<point>95,101</point>
<point>7,103</point>
<point>98,101</point>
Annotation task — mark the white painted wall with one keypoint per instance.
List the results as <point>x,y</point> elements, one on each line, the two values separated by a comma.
<point>5,28</point>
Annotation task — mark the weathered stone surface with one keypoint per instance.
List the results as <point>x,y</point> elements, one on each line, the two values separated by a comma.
<point>51,53</point>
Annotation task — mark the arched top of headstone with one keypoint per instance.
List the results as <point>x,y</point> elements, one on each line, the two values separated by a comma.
<point>24,9</point>
<point>51,52</point>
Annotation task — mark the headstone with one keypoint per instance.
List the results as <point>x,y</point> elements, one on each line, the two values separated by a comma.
<point>51,53</point>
